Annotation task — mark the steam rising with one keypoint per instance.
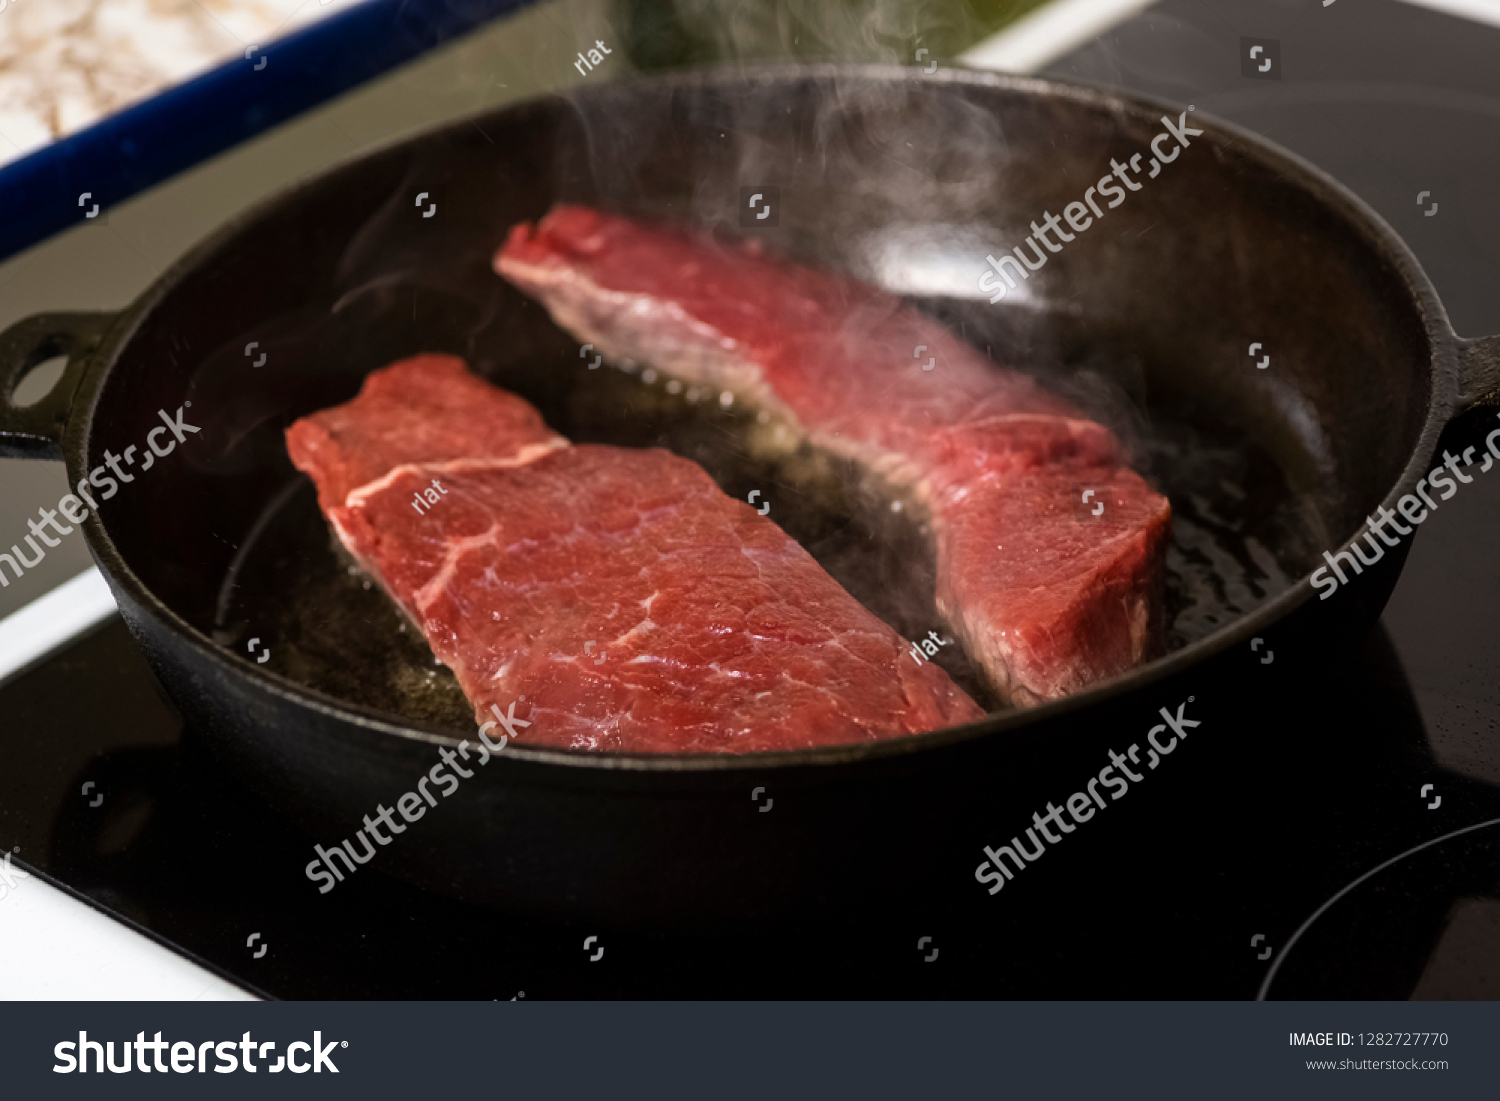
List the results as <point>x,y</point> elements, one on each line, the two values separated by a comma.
<point>878,31</point>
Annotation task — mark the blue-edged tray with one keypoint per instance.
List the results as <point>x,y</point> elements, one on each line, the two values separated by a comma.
<point>144,144</point>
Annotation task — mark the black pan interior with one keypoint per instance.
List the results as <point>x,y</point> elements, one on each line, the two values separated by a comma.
<point>904,181</point>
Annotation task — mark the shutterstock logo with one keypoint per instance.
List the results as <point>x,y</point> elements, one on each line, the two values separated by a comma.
<point>188,1057</point>
<point>1164,148</point>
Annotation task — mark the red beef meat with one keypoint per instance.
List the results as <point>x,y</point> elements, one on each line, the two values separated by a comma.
<point>433,410</point>
<point>851,368</point>
<point>712,630</point>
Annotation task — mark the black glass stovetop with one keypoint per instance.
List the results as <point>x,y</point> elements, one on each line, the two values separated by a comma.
<point>1346,845</point>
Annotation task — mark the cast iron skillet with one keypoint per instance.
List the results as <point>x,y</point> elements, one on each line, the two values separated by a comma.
<point>892,174</point>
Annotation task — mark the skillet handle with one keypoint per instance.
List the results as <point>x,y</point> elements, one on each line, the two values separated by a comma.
<point>36,431</point>
<point>1479,370</point>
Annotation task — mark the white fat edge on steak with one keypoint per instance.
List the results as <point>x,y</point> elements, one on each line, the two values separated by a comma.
<point>629,329</point>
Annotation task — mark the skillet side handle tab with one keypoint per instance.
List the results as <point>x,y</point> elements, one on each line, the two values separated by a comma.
<point>36,431</point>
<point>1479,368</point>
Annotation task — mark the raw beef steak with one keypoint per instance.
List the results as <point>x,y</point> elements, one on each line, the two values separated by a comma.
<point>634,606</point>
<point>432,410</point>
<point>1047,600</point>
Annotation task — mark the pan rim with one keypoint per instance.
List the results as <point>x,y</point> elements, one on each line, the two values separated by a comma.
<point>1443,394</point>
